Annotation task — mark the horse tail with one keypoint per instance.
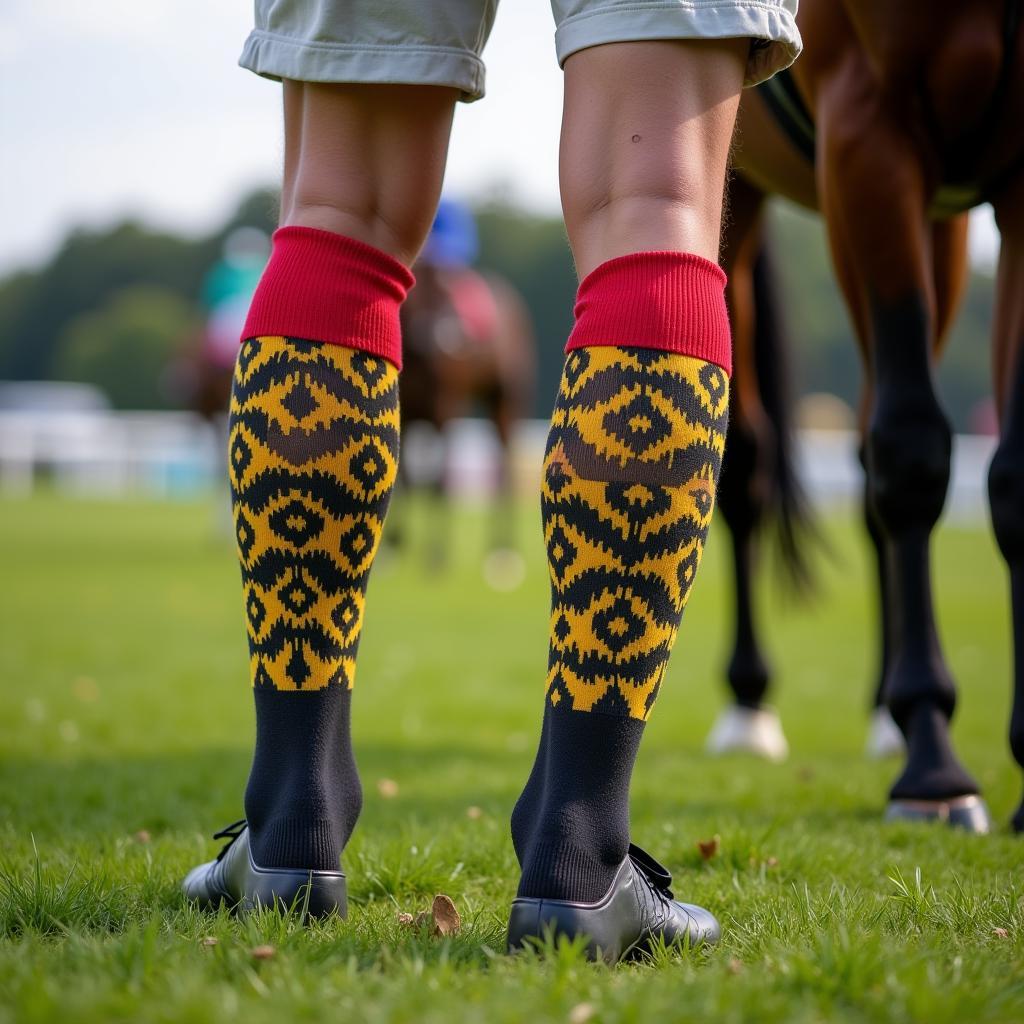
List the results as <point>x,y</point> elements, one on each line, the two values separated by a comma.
<point>795,524</point>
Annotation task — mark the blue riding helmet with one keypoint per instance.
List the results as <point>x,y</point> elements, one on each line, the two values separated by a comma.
<point>453,240</point>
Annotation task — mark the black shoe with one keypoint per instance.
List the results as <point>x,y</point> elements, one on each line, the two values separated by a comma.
<point>234,878</point>
<point>637,910</point>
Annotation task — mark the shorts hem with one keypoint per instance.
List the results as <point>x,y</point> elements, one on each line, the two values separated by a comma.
<point>689,19</point>
<point>277,57</point>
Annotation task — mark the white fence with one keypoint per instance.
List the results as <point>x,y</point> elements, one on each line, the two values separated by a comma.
<point>110,453</point>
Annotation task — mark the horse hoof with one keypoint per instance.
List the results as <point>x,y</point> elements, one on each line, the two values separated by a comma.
<point>967,812</point>
<point>884,737</point>
<point>755,731</point>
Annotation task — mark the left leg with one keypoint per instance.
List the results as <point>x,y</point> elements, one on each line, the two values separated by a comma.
<point>632,460</point>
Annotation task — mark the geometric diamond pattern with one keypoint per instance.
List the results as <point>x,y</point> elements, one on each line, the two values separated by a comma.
<point>630,469</point>
<point>313,453</point>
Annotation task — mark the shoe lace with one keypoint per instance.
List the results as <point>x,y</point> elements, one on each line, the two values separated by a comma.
<point>230,832</point>
<point>657,877</point>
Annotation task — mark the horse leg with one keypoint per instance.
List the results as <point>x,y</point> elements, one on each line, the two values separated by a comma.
<point>874,193</point>
<point>1006,473</point>
<point>949,270</point>
<point>742,491</point>
<point>504,568</point>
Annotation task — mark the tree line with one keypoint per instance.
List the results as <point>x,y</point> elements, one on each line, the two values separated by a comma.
<point>114,307</point>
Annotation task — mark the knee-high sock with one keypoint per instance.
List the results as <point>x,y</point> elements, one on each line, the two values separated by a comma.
<point>631,465</point>
<point>313,456</point>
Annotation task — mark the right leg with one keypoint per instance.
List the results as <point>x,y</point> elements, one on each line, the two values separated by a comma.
<point>632,457</point>
<point>313,456</point>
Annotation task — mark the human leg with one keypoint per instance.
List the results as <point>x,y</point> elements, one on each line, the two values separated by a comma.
<point>313,452</point>
<point>636,439</point>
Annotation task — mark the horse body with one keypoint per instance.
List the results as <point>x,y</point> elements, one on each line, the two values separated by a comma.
<point>914,112</point>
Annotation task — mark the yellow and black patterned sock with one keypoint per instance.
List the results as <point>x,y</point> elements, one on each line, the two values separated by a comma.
<point>313,455</point>
<point>630,471</point>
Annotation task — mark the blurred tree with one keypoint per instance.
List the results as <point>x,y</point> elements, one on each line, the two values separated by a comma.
<point>37,307</point>
<point>532,252</point>
<point>126,346</point>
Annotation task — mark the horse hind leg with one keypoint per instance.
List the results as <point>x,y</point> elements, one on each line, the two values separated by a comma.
<point>1006,473</point>
<point>746,725</point>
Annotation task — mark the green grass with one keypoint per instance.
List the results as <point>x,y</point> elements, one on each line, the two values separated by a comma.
<point>124,709</point>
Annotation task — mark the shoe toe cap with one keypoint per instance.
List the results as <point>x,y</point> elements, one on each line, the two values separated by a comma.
<point>196,883</point>
<point>699,925</point>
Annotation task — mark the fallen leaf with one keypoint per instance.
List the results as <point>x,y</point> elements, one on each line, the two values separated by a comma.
<point>387,788</point>
<point>263,952</point>
<point>446,917</point>
<point>405,919</point>
<point>734,966</point>
<point>709,847</point>
<point>208,940</point>
<point>772,862</point>
<point>1000,933</point>
<point>142,837</point>
<point>473,813</point>
<point>581,1013</point>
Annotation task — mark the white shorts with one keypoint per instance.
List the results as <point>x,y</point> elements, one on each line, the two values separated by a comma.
<point>440,42</point>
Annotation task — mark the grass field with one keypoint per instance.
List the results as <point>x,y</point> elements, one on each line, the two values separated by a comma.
<point>126,728</point>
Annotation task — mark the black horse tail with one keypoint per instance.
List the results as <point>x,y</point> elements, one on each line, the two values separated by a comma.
<point>789,508</point>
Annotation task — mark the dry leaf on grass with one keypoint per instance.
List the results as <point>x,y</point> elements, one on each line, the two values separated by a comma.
<point>208,941</point>
<point>387,788</point>
<point>441,919</point>
<point>142,837</point>
<point>446,917</point>
<point>709,847</point>
<point>734,966</point>
<point>263,952</point>
<point>1000,933</point>
<point>474,813</point>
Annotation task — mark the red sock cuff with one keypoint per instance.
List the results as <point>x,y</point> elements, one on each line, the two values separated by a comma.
<point>320,286</point>
<point>666,300</point>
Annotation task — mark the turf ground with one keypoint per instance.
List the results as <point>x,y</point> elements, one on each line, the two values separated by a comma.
<point>126,727</point>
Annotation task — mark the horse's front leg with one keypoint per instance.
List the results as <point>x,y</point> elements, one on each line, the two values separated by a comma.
<point>874,193</point>
<point>1006,474</point>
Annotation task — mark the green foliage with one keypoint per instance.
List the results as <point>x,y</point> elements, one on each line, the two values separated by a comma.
<point>126,346</point>
<point>532,252</point>
<point>37,307</point>
<point>127,708</point>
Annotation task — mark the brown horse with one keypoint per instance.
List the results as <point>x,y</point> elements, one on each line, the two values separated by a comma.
<point>897,119</point>
<point>468,345</point>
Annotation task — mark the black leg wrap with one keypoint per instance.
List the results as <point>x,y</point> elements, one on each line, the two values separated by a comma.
<point>908,449</point>
<point>742,504</point>
<point>1006,498</point>
<point>933,771</point>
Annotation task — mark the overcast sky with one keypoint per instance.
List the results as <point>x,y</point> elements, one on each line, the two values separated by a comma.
<point>137,107</point>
